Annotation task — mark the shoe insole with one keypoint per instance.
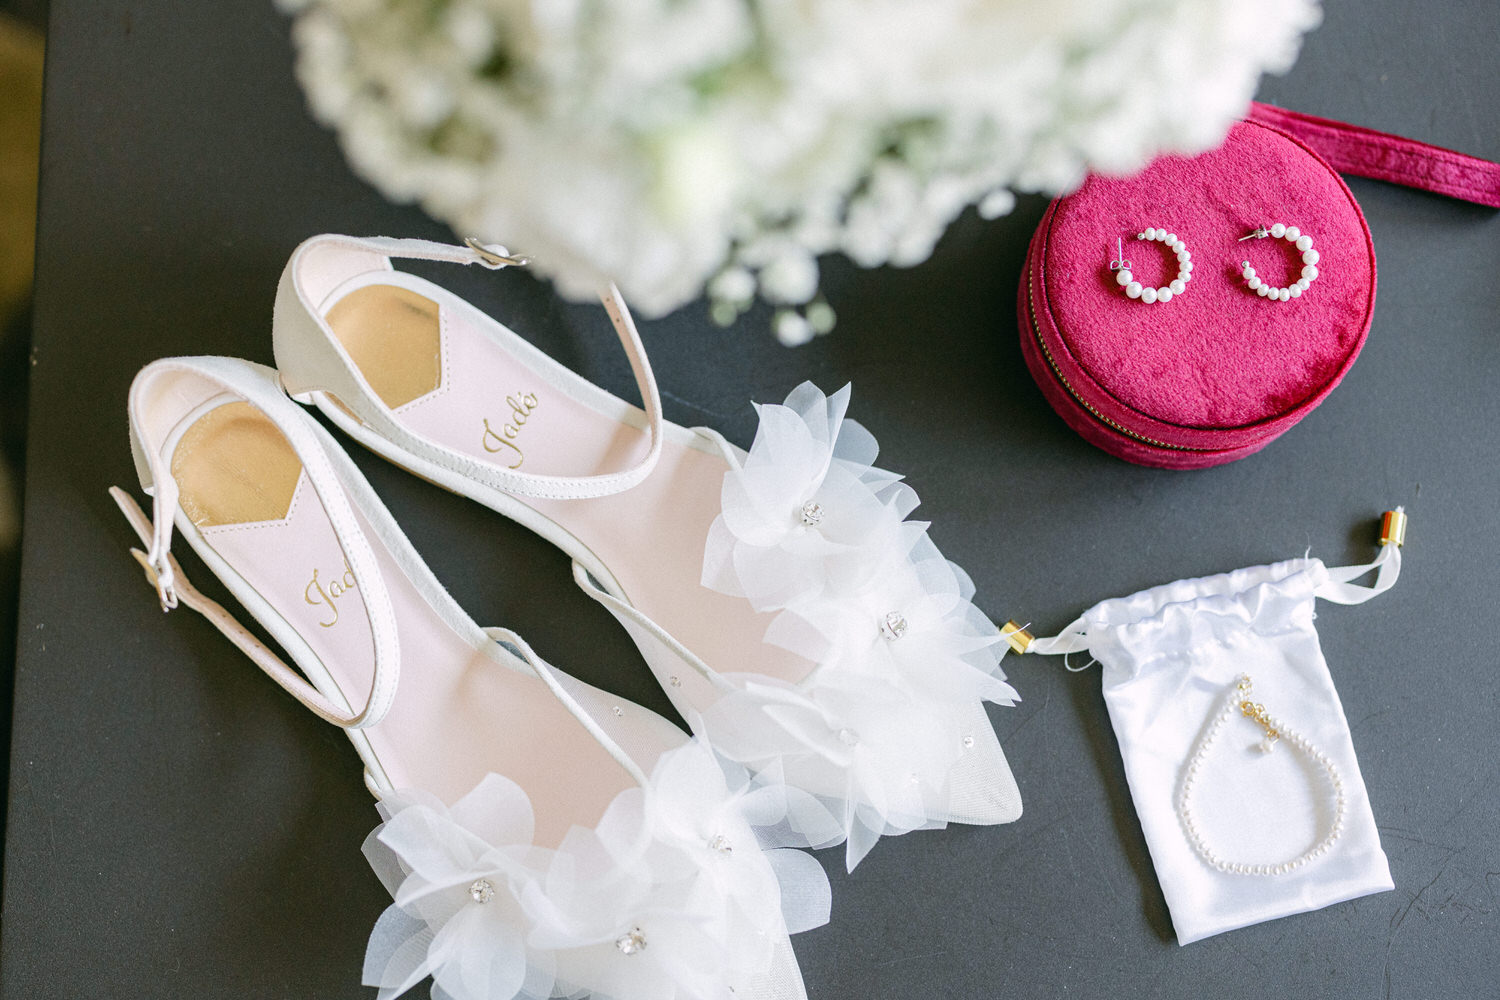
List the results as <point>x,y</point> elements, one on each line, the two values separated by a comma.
<point>457,714</point>
<point>393,338</point>
<point>489,404</point>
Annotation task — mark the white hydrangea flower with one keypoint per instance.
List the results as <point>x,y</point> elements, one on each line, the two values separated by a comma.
<point>660,143</point>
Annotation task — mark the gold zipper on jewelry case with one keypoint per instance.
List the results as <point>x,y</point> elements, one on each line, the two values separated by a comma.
<point>1036,331</point>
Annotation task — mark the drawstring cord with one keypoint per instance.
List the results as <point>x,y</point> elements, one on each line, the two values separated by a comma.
<point>1339,588</point>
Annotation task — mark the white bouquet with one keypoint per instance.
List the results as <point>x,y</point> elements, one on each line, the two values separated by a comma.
<point>678,146</point>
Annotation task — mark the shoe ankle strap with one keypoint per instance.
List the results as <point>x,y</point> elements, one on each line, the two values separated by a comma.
<point>258,386</point>
<point>312,359</point>
<point>185,594</point>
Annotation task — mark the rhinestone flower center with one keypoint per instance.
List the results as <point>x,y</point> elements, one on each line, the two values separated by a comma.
<point>721,843</point>
<point>894,626</point>
<point>481,890</point>
<point>632,942</point>
<point>812,513</point>
<point>848,737</point>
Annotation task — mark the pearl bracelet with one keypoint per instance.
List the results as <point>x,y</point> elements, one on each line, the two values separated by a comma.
<point>1276,731</point>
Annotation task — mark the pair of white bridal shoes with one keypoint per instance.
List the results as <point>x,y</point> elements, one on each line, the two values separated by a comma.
<point>541,837</point>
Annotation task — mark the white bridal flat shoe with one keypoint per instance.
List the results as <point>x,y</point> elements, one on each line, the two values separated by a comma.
<point>541,837</point>
<point>793,615</point>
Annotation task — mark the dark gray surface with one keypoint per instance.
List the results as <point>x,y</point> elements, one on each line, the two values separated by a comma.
<point>179,827</point>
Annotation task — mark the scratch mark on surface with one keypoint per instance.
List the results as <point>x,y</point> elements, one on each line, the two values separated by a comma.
<point>1398,918</point>
<point>693,405</point>
<point>1046,700</point>
<point>910,958</point>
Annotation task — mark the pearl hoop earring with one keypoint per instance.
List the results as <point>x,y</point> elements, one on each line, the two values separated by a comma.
<point>1177,286</point>
<point>1310,258</point>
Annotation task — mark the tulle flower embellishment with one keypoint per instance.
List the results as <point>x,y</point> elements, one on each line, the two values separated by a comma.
<point>807,512</point>
<point>881,728</point>
<point>669,896</point>
<point>910,620</point>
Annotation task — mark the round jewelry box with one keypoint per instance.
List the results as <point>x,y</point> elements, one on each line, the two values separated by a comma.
<point>1218,371</point>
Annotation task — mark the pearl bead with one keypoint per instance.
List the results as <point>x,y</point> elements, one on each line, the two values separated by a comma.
<point>1286,293</point>
<point>1164,294</point>
<point>1123,276</point>
<point>1253,282</point>
<point>1133,289</point>
<point>1292,233</point>
<point>1167,238</point>
<point>1310,256</point>
<point>1248,273</point>
<point>1178,286</point>
<point>1305,243</point>
<point>1148,295</point>
<point>1184,276</point>
<point>1183,256</point>
<point>1149,234</point>
<point>1278,230</point>
<point>1187,265</point>
<point>1304,283</point>
<point>1262,290</point>
<point>1179,246</point>
<point>1310,271</point>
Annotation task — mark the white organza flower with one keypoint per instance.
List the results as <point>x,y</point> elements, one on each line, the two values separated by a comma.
<point>660,143</point>
<point>430,857</point>
<point>669,896</point>
<point>912,615</point>
<point>811,530</point>
<point>806,512</point>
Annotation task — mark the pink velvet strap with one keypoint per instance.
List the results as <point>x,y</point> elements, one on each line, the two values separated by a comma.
<point>1365,152</point>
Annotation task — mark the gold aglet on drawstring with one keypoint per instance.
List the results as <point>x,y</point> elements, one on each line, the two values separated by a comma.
<point>1020,640</point>
<point>1393,527</point>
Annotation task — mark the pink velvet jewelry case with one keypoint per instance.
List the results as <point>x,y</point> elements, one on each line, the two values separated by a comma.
<point>1216,372</point>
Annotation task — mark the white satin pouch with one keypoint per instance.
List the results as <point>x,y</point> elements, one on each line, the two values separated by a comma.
<point>1242,827</point>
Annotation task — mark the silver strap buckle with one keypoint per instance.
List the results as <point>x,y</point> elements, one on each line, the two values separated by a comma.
<point>496,256</point>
